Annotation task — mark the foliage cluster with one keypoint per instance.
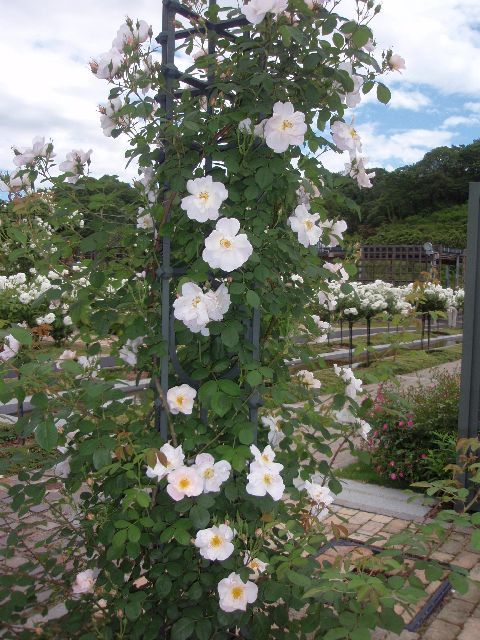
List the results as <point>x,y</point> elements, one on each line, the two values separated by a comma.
<point>415,432</point>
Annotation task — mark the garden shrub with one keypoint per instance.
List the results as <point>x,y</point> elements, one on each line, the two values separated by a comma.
<point>414,432</point>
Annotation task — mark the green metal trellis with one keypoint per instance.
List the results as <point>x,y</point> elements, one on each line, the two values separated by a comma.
<point>166,99</point>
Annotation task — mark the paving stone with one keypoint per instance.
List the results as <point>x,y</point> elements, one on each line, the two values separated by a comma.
<point>405,635</point>
<point>442,557</point>
<point>471,630</point>
<point>475,572</point>
<point>396,525</point>
<point>466,559</point>
<point>370,527</point>
<point>361,517</point>
<point>476,612</point>
<point>456,611</point>
<point>472,595</point>
<point>379,518</point>
<point>452,546</point>
<point>441,630</point>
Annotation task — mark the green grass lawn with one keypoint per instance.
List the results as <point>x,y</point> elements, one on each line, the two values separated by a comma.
<point>366,473</point>
<point>405,361</point>
<point>15,455</point>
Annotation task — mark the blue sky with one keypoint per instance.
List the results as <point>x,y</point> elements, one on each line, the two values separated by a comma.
<point>47,88</point>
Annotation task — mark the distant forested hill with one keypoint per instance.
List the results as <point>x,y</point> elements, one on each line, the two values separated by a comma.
<point>418,202</point>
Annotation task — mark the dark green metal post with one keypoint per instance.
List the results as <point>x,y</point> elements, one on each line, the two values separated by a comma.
<point>468,420</point>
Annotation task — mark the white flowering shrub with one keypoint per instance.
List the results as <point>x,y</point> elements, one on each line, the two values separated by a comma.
<point>213,533</point>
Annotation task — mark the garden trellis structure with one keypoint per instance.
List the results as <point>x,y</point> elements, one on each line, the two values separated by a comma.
<point>173,78</point>
<point>469,413</point>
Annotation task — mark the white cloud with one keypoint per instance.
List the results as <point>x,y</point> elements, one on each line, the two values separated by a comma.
<point>400,148</point>
<point>47,88</point>
<point>438,39</point>
<point>407,99</point>
<point>472,106</point>
<point>456,121</point>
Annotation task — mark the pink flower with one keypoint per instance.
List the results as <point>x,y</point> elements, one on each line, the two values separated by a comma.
<point>392,463</point>
<point>423,456</point>
<point>401,423</point>
<point>410,423</point>
<point>393,476</point>
<point>375,434</point>
<point>385,427</point>
<point>401,474</point>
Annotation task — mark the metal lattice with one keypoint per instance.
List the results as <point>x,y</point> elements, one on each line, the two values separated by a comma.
<point>166,273</point>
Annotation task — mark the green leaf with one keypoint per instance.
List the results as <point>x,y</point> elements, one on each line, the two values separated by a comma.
<point>119,538</point>
<point>264,177</point>
<point>133,610</point>
<point>182,629</point>
<point>101,458</point>
<point>476,518</point>
<point>199,516</point>
<point>221,403</point>
<point>22,335</point>
<point>247,435</point>
<point>360,634</point>
<point>203,629</point>
<point>476,539</point>
<point>134,533</point>
<point>229,336</point>
<point>46,435</point>
<point>230,387</point>
<point>254,378</point>
<point>361,36</point>
<point>459,582</point>
<point>163,586</point>
<point>383,93</point>
<point>299,579</point>
<point>253,299</point>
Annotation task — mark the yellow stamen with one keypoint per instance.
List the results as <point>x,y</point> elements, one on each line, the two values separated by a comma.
<point>286,124</point>
<point>215,541</point>
<point>267,478</point>
<point>208,473</point>
<point>180,400</point>
<point>225,243</point>
<point>265,458</point>
<point>184,483</point>
<point>308,224</point>
<point>196,301</point>
<point>353,132</point>
<point>204,195</point>
<point>237,592</point>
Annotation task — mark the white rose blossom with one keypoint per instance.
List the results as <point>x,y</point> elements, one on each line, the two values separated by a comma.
<point>184,481</point>
<point>345,136</point>
<point>256,10</point>
<point>205,200</point>
<point>108,64</point>
<point>264,479</point>
<point>396,62</point>
<point>308,379</point>
<point>225,248</point>
<point>286,127</point>
<point>129,351</point>
<point>234,594</point>
<point>171,458</point>
<point>196,308</point>
<point>275,434</point>
<point>74,163</point>
<point>11,347</point>
<point>132,34</point>
<point>84,582</point>
<point>215,543</point>
<point>144,220</point>
<point>256,565</point>
<point>180,399</point>
<point>214,474</point>
<point>303,224</point>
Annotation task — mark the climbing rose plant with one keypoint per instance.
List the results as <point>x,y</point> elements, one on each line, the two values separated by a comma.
<point>213,533</point>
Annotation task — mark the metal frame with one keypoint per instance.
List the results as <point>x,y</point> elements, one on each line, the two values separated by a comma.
<point>166,98</point>
<point>469,414</point>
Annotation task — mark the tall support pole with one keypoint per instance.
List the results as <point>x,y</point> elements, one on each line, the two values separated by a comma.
<point>469,414</point>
